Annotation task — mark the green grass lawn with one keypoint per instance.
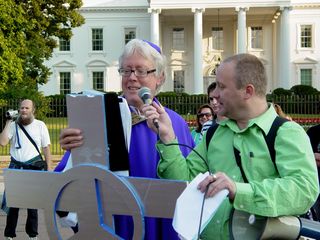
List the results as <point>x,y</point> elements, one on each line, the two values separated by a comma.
<point>55,125</point>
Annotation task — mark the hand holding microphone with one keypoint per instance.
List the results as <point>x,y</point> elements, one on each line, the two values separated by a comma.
<point>145,95</point>
<point>166,132</point>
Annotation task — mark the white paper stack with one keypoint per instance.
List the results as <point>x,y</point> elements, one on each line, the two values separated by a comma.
<point>187,213</point>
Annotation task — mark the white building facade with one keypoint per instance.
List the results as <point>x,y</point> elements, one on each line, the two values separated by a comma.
<point>195,36</point>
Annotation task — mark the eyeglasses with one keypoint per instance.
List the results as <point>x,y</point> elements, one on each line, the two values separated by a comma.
<point>211,98</point>
<point>126,72</point>
<point>201,115</point>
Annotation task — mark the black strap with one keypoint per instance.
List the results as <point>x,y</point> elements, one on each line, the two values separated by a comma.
<point>238,160</point>
<point>28,136</point>
<point>211,130</point>
<point>118,153</point>
<point>269,138</point>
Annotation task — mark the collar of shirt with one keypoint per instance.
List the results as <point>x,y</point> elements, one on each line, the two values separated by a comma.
<point>264,121</point>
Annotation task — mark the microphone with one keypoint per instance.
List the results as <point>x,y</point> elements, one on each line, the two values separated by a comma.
<point>145,94</point>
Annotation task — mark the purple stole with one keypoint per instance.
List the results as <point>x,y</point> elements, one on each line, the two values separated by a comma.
<point>144,159</point>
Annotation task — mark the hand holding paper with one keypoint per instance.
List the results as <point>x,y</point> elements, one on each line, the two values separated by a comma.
<point>188,209</point>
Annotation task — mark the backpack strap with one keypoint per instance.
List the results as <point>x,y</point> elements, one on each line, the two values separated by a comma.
<point>271,136</point>
<point>210,133</point>
<point>237,156</point>
<point>30,138</point>
<point>269,139</point>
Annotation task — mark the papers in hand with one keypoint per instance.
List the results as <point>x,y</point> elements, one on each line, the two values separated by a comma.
<point>188,209</point>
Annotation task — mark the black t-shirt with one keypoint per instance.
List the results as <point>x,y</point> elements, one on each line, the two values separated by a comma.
<point>314,135</point>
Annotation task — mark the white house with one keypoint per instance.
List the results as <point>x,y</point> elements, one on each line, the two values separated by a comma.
<point>195,36</point>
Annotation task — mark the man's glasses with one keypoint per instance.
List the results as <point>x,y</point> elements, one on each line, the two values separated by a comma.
<point>126,72</point>
<point>201,115</point>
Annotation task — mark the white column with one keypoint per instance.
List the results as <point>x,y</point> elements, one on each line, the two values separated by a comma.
<point>284,49</point>
<point>154,25</point>
<point>242,29</point>
<point>197,68</point>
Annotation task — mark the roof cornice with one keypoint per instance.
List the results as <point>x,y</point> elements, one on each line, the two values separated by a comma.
<point>114,9</point>
<point>169,4</point>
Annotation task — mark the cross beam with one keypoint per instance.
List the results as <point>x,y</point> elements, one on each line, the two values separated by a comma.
<point>95,194</point>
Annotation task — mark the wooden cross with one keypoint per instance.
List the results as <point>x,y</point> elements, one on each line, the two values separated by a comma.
<point>89,188</point>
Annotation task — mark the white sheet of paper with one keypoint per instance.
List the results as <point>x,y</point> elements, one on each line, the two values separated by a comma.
<point>187,213</point>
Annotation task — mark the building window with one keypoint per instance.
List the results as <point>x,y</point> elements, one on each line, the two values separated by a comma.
<point>98,81</point>
<point>217,38</point>
<point>306,36</point>
<point>178,38</point>
<point>178,81</point>
<point>130,33</point>
<point>97,39</point>
<point>64,44</point>
<point>306,77</point>
<point>256,37</point>
<point>65,83</point>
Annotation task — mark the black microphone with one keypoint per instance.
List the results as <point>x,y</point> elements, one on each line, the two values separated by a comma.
<point>145,94</point>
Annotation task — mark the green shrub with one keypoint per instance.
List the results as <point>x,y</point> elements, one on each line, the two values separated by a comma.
<point>304,90</point>
<point>282,92</point>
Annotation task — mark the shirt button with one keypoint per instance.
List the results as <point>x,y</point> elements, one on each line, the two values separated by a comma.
<point>241,206</point>
<point>218,221</point>
<point>234,177</point>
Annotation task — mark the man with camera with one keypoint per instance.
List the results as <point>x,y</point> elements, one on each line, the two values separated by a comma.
<point>26,136</point>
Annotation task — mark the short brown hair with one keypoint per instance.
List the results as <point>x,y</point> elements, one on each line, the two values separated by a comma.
<point>249,70</point>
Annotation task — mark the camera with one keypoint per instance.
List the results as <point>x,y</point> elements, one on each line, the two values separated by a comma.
<point>12,114</point>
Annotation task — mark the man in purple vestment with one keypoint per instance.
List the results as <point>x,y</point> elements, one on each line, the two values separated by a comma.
<point>141,65</point>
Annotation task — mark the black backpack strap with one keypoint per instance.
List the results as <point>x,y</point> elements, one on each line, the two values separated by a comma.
<point>236,152</point>
<point>210,133</point>
<point>271,136</point>
<point>270,139</point>
<point>238,161</point>
<point>29,137</point>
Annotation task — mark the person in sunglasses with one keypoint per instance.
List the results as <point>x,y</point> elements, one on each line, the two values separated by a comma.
<point>204,121</point>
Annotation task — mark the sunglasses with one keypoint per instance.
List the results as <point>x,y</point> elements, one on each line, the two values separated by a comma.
<point>200,115</point>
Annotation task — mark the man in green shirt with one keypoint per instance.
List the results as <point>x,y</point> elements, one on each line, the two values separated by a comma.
<point>289,188</point>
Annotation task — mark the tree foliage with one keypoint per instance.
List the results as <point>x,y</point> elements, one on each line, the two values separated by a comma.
<point>29,30</point>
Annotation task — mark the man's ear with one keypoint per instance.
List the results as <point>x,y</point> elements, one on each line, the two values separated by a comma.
<point>249,91</point>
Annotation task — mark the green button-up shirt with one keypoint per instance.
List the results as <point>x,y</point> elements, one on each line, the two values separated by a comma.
<point>289,191</point>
